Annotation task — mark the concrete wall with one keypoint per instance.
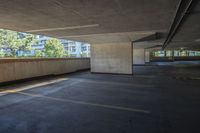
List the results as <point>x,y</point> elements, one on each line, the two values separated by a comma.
<point>111,58</point>
<point>138,56</point>
<point>16,69</point>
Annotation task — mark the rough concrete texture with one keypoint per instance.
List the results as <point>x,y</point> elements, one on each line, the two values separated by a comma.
<point>147,56</point>
<point>111,58</point>
<point>11,69</point>
<point>99,21</point>
<point>93,21</point>
<point>138,56</point>
<point>157,99</point>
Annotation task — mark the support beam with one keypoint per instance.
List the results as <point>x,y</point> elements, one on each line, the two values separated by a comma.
<point>182,11</point>
<point>113,58</point>
<point>152,37</point>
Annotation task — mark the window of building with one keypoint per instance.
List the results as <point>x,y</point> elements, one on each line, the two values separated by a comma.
<point>73,48</point>
<point>84,48</point>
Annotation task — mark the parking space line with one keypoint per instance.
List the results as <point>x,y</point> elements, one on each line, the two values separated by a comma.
<point>87,103</point>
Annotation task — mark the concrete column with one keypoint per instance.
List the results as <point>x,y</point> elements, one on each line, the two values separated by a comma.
<point>112,58</point>
<point>172,55</point>
<point>138,56</point>
<point>147,56</point>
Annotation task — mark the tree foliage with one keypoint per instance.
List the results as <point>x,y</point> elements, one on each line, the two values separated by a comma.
<point>54,48</point>
<point>2,53</point>
<point>14,44</point>
<point>39,53</point>
<point>12,41</point>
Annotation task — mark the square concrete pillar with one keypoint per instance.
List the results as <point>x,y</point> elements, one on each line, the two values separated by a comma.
<point>113,58</point>
<point>138,56</point>
<point>147,56</point>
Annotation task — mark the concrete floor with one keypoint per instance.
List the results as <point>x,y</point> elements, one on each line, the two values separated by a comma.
<point>157,99</point>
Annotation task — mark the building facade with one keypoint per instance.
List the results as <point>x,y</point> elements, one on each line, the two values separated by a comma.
<point>73,48</point>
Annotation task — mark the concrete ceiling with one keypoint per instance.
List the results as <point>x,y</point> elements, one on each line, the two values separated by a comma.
<point>93,21</point>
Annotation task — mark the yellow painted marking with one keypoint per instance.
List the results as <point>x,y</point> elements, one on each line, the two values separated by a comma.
<point>27,87</point>
<point>88,103</point>
<point>19,91</point>
<point>11,91</point>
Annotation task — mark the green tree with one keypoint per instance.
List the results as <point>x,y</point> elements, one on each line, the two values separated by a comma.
<point>54,48</point>
<point>2,54</point>
<point>39,53</point>
<point>27,41</point>
<point>15,41</point>
<point>83,54</point>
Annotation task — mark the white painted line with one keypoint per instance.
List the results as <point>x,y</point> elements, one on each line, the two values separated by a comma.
<point>88,103</point>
